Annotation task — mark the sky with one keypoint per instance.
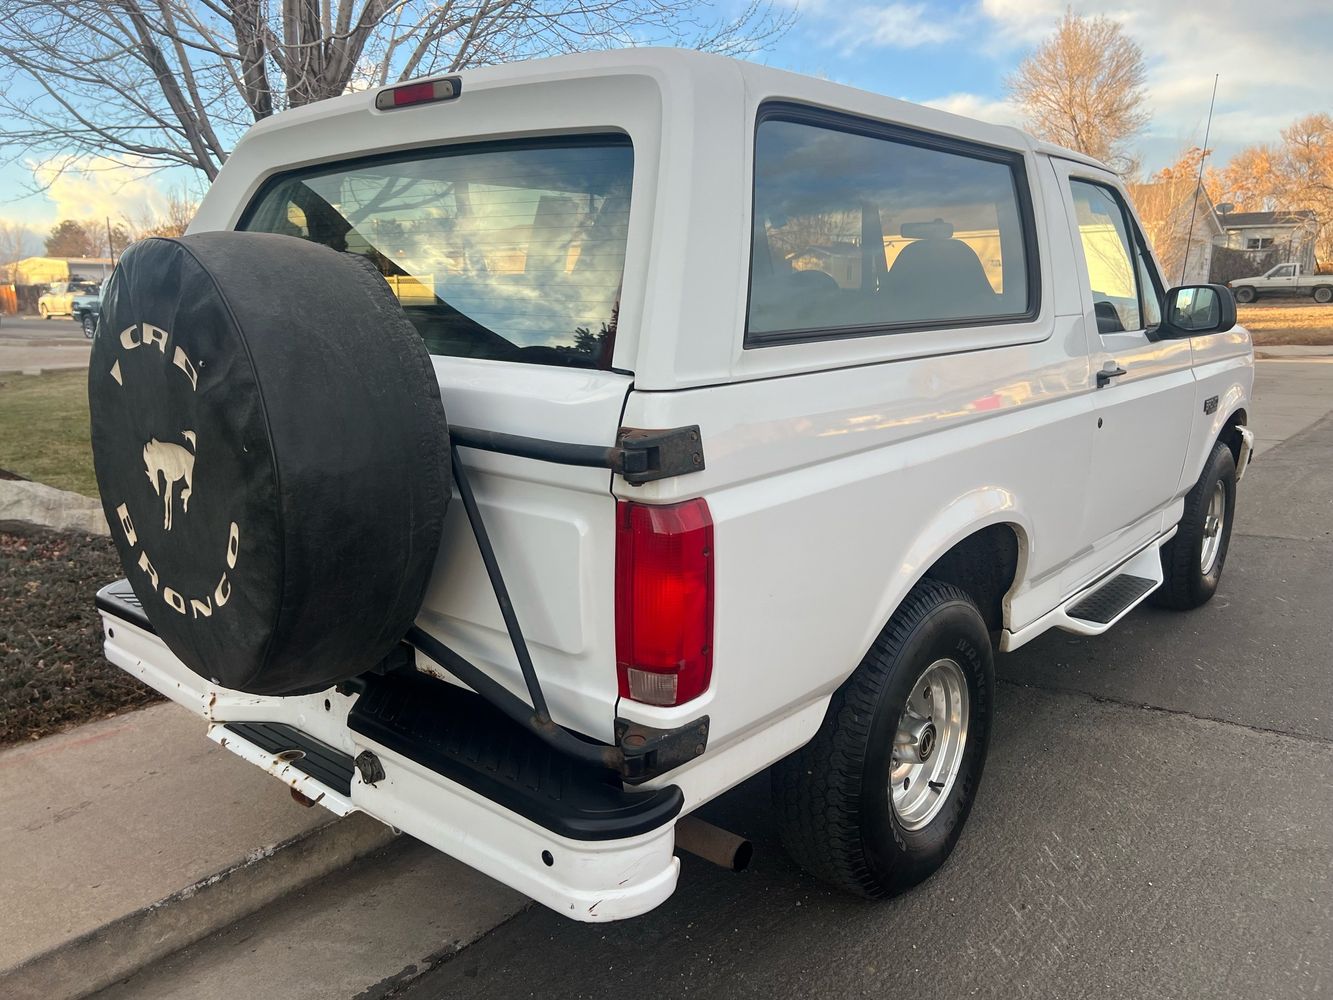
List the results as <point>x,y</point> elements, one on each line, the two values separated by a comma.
<point>952,54</point>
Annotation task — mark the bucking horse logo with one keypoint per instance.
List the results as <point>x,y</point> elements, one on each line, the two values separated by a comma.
<point>167,464</point>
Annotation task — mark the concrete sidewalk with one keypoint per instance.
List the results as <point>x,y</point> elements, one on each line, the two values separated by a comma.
<point>128,839</point>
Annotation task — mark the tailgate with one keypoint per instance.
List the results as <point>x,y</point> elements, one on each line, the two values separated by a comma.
<point>553,530</point>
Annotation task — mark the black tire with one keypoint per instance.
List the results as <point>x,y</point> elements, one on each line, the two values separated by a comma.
<point>832,800</point>
<point>89,324</point>
<point>43,312</point>
<point>1245,294</point>
<point>1323,294</point>
<point>289,423</point>
<point>1188,583</point>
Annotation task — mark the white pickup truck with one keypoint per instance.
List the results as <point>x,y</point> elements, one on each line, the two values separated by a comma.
<point>774,408</point>
<point>1284,279</point>
<point>60,298</point>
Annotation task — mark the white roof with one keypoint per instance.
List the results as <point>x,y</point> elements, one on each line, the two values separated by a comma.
<point>675,67</point>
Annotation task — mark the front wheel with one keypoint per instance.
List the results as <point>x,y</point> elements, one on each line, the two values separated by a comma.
<point>89,324</point>
<point>877,800</point>
<point>1324,294</point>
<point>1245,294</point>
<point>1192,561</point>
<point>43,312</point>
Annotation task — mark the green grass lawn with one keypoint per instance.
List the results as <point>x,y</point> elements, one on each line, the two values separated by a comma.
<point>44,430</point>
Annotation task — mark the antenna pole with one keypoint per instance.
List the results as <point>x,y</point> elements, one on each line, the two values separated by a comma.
<point>1198,183</point>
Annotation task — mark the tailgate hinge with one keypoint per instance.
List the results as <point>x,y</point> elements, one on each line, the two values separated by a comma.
<point>647,455</point>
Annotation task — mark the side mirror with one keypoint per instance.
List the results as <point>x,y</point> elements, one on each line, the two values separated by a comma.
<point>1193,310</point>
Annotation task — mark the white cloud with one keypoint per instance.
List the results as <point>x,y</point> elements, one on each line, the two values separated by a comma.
<point>1273,68</point>
<point>100,187</point>
<point>891,26</point>
<point>997,112</point>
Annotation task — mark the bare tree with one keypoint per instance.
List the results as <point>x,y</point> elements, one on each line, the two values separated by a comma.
<point>169,82</point>
<point>16,240</point>
<point>172,221</point>
<point>1296,175</point>
<point>1084,88</point>
<point>1307,171</point>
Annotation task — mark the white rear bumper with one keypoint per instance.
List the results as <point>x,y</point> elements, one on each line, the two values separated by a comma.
<point>588,880</point>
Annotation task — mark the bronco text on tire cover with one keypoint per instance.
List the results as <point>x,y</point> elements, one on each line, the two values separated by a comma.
<point>272,455</point>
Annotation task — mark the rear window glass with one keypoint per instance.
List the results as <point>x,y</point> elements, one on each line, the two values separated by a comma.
<point>864,232</point>
<point>510,251</point>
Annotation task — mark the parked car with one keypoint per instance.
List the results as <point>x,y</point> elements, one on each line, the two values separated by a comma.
<point>1284,279</point>
<point>59,299</point>
<point>774,409</point>
<point>85,309</point>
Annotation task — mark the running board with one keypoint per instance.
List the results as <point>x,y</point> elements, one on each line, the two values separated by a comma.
<point>1112,599</point>
<point>1097,607</point>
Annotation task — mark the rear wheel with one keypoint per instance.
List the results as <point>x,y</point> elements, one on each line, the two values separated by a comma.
<point>1245,294</point>
<point>877,800</point>
<point>42,311</point>
<point>1192,561</point>
<point>89,323</point>
<point>1323,294</point>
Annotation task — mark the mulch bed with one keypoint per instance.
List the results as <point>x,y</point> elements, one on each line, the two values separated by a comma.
<point>52,671</point>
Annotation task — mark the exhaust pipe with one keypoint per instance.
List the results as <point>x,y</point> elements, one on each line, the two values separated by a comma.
<point>704,840</point>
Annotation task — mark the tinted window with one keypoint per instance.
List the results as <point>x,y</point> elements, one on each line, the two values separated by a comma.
<point>511,252</point>
<point>867,232</point>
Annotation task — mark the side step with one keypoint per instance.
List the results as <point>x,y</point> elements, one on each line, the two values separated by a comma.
<point>1116,595</point>
<point>1098,606</point>
<point>462,737</point>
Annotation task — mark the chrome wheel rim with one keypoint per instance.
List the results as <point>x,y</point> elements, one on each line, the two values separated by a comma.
<point>1213,522</point>
<point>928,744</point>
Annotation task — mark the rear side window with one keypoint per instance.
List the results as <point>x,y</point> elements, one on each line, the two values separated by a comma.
<point>860,229</point>
<point>508,251</point>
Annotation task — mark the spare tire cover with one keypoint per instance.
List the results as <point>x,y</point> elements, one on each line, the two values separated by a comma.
<point>272,455</point>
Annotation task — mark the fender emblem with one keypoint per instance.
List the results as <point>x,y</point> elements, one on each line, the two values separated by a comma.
<point>1210,405</point>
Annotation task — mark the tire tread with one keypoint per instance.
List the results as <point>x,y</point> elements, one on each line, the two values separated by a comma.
<point>817,789</point>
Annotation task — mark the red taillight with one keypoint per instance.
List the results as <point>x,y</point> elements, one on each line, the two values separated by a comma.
<point>664,601</point>
<point>419,93</point>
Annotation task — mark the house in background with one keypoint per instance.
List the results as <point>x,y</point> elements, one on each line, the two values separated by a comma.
<point>1181,225</point>
<point>1275,236</point>
<point>32,276</point>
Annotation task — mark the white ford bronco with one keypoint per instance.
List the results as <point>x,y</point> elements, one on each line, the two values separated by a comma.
<point>528,456</point>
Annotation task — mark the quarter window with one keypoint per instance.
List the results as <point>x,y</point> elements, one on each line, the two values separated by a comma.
<point>862,232</point>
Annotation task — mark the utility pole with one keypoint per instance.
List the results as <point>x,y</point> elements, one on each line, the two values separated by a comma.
<point>111,246</point>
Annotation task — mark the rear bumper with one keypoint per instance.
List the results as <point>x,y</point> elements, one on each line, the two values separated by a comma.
<point>572,860</point>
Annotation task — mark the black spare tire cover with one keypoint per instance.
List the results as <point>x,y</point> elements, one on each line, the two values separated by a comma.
<point>272,455</point>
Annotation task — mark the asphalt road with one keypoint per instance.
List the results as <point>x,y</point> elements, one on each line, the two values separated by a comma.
<point>29,344</point>
<point>1156,821</point>
<point>1156,818</point>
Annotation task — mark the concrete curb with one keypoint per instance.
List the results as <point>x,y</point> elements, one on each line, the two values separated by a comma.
<point>95,960</point>
<point>26,502</point>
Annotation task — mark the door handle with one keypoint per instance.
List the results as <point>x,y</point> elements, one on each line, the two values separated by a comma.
<point>1106,374</point>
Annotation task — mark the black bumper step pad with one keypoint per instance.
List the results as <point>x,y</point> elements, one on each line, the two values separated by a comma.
<point>330,767</point>
<point>118,599</point>
<point>456,734</point>
<point>1111,598</point>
